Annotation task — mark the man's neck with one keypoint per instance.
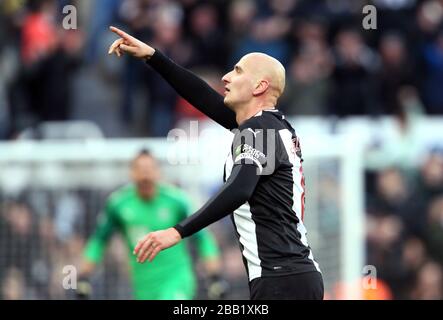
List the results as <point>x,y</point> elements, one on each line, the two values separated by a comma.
<point>248,112</point>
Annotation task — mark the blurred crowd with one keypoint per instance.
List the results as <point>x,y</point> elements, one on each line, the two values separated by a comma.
<point>43,233</point>
<point>335,67</point>
<point>405,229</point>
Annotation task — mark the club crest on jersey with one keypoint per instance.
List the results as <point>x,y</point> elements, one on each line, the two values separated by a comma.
<point>245,151</point>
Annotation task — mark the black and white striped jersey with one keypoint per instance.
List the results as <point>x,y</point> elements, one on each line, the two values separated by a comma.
<point>270,225</point>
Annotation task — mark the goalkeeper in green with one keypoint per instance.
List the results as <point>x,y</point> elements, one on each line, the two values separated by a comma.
<point>143,206</point>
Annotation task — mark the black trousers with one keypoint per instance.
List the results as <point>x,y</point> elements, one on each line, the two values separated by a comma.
<point>303,286</point>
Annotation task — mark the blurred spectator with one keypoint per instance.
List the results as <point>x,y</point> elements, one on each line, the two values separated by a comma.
<point>354,91</point>
<point>4,108</point>
<point>13,286</point>
<point>309,73</point>
<point>48,54</point>
<point>414,256</point>
<point>396,70</point>
<point>429,283</point>
<point>433,59</point>
<point>429,186</point>
<point>136,14</point>
<point>395,15</point>
<point>104,12</point>
<point>309,84</point>
<point>432,173</point>
<point>434,231</point>
<point>268,31</point>
<point>429,15</point>
<point>241,15</point>
<point>394,197</point>
<point>430,183</point>
<point>39,38</point>
<point>310,31</point>
<point>384,242</point>
<point>167,37</point>
<point>207,36</point>
<point>20,244</point>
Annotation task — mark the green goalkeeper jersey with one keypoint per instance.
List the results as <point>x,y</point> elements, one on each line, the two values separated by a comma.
<point>170,275</point>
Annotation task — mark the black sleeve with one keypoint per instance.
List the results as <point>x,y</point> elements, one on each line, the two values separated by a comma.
<point>193,89</point>
<point>235,192</point>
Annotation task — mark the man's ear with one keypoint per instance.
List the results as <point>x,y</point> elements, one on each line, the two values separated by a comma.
<point>261,87</point>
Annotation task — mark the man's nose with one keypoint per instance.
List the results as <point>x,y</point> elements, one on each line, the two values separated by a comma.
<point>225,78</point>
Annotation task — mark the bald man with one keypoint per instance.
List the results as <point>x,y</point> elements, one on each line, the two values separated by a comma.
<point>264,182</point>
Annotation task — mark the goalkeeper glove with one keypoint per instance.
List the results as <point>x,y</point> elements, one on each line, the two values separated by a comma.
<point>218,288</point>
<point>84,289</point>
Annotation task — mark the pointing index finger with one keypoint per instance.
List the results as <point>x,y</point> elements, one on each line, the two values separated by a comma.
<point>121,33</point>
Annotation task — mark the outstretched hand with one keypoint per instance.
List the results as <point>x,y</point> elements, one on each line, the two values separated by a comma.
<point>154,242</point>
<point>130,45</point>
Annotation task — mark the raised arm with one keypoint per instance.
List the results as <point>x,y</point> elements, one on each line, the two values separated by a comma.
<point>192,88</point>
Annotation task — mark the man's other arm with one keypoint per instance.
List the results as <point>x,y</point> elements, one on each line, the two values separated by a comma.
<point>234,193</point>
